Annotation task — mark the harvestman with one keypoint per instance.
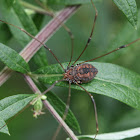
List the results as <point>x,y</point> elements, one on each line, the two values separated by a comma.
<point>79,73</point>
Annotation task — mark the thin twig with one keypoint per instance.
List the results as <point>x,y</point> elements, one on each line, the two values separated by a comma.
<point>31,84</point>
<point>28,52</point>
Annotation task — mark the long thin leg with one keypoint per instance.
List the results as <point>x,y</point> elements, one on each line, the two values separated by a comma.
<point>72,41</point>
<point>44,7</point>
<point>121,47</point>
<point>95,109</point>
<point>65,113</point>
<point>52,86</point>
<point>89,39</point>
<point>41,43</point>
<point>64,26</point>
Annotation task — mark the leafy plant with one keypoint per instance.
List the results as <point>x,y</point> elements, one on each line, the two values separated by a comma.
<point>112,80</point>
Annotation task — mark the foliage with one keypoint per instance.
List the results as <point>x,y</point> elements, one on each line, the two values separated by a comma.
<point>112,80</point>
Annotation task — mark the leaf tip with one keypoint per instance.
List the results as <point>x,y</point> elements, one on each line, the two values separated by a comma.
<point>79,131</point>
<point>9,133</point>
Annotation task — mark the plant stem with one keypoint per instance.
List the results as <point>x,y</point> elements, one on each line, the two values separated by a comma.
<point>5,74</point>
<point>36,76</point>
<point>28,52</point>
<point>36,8</point>
<point>50,108</point>
<point>32,84</point>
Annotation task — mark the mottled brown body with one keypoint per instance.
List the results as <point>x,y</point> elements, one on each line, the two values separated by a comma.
<point>82,73</point>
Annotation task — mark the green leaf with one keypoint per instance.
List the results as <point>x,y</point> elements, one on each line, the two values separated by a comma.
<point>129,8</point>
<point>112,80</point>
<point>3,127</point>
<point>10,106</point>
<point>60,106</point>
<point>113,136</point>
<point>70,2</point>
<point>13,60</point>
<point>25,20</point>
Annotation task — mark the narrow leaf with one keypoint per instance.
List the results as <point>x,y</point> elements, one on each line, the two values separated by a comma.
<point>12,59</point>
<point>111,80</point>
<point>3,127</point>
<point>129,8</point>
<point>113,136</point>
<point>10,106</point>
<point>25,20</point>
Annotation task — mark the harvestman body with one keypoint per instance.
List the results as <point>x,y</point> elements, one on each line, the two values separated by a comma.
<point>80,73</point>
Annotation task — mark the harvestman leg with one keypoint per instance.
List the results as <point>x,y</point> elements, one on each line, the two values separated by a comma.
<point>65,113</point>
<point>121,47</point>
<point>89,39</point>
<point>63,25</point>
<point>45,46</point>
<point>95,109</point>
<point>52,86</point>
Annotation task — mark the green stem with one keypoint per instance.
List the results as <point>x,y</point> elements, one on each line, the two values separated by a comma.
<point>36,8</point>
<point>36,76</point>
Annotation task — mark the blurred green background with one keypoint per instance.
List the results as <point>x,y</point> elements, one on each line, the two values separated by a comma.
<point>111,31</point>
